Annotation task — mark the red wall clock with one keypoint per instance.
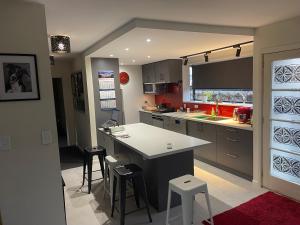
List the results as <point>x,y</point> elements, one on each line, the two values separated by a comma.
<point>124,78</point>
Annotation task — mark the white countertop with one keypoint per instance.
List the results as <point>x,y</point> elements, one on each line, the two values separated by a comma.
<point>151,142</point>
<point>190,116</point>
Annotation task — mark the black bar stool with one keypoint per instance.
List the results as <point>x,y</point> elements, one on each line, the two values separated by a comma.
<point>134,174</point>
<point>89,153</point>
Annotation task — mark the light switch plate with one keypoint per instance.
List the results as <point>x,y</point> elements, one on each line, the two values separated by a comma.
<point>46,137</point>
<point>5,143</point>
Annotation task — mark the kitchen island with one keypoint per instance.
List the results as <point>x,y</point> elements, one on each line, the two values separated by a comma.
<point>162,154</point>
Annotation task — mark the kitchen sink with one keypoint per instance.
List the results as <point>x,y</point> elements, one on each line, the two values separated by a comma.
<point>211,118</point>
<point>215,118</point>
<point>200,117</point>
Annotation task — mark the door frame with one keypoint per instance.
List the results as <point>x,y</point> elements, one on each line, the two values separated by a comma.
<point>64,104</point>
<point>258,71</point>
<point>273,183</point>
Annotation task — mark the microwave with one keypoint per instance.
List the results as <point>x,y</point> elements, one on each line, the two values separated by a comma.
<point>155,88</point>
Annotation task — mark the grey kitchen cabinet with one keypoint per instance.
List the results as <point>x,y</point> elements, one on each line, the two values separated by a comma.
<point>107,142</point>
<point>235,149</point>
<point>206,132</point>
<point>148,73</point>
<point>175,124</point>
<point>146,117</point>
<point>166,71</point>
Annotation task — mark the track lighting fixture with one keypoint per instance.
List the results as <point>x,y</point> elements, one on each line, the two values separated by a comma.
<point>185,61</point>
<point>238,50</point>
<point>206,56</point>
<point>205,53</point>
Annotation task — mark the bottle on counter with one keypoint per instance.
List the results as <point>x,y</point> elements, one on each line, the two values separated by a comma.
<point>213,112</point>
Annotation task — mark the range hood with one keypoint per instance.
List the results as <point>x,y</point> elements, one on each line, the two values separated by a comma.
<point>155,88</point>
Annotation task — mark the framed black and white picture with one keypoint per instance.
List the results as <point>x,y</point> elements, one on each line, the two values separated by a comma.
<point>18,77</point>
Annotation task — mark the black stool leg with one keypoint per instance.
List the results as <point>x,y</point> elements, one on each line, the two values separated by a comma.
<point>136,192</point>
<point>114,196</point>
<point>90,168</point>
<point>84,168</point>
<point>122,187</point>
<point>146,197</point>
<point>101,159</point>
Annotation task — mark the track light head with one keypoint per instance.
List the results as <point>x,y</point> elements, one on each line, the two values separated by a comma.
<point>185,61</point>
<point>238,50</point>
<point>206,56</point>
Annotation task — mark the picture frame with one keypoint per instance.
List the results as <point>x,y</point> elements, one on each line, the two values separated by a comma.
<point>78,91</point>
<point>18,77</point>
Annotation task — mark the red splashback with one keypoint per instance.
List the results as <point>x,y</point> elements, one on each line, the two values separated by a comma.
<point>174,99</point>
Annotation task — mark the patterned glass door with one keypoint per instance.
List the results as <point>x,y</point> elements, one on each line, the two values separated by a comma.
<point>281,129</point>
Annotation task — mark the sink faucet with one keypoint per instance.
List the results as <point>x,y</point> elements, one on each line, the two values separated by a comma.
<point>217,106</point>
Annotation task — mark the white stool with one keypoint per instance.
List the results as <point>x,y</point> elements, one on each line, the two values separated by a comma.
<point>187,187</point>
<point>110,164</point>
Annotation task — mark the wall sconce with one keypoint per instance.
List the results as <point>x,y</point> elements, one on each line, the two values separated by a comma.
<point>60,44</point>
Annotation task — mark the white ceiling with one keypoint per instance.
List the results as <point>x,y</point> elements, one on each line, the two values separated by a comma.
<point>87,21</point>
<point>165,44</point>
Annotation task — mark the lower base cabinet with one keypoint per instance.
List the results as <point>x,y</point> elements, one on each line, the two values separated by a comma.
<point>230,149</point>
<point>107,142</point>
<point>206,132</point>
<point>146,117</point>
<point>175,124</point>
<point>235,150</point>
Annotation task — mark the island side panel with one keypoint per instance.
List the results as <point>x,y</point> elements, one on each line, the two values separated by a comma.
<point>158,172</point>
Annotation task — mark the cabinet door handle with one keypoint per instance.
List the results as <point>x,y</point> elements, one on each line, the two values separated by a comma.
<point>231,130</point>
<point>232,140</point>
<point>231,155</point>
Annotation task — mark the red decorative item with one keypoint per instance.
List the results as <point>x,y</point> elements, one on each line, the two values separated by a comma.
<point>124,78</point>
<point>244,114</point>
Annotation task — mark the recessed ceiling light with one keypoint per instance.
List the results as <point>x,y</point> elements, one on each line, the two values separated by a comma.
<point>133,60</point>
<point>148,40</point>
<point>126,49</point>
<point>148,56</point>
<point>111,55</point>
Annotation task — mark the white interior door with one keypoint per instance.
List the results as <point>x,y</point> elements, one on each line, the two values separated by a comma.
<point>281,129</point>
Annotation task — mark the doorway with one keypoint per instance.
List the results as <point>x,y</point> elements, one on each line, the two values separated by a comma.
<point>281,128</point>
<point>60,112</point>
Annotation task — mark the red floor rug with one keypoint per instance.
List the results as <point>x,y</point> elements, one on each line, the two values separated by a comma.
<point>266,209</point>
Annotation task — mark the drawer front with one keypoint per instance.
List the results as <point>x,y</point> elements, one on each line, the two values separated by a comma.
<point>203,131</point>
<point>234,149</point>
<point>146,117</point>
<point>206,132</point>
<point>178,125</point>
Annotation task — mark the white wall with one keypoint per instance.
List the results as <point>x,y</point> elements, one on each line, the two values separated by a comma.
<point>133,96</point>
<point>30,190</point>
<point>63,69</point>
<point>276,37</point>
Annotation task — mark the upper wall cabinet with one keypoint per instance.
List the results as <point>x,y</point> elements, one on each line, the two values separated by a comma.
<point>167,71</point>
<point>231,74</point>
<point>148,71</point>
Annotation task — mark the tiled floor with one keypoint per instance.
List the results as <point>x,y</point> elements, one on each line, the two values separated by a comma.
<point>226,191</point>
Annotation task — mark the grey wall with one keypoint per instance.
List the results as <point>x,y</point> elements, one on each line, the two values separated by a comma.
<point>99,64</point>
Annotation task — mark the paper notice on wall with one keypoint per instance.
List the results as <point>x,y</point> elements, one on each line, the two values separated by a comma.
<point>107,94</point>
<point>108,104</point>
<point>106,79</point>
